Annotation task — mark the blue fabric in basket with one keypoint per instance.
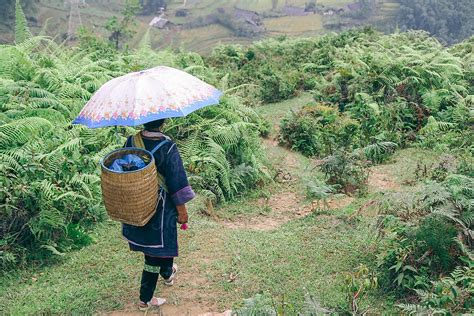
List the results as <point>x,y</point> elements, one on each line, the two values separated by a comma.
<point>128,163</point>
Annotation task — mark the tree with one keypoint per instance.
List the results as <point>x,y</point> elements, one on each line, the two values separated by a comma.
<point>274,4</point>
<point>450,21</point>
<point>121,29</point>
<point>310,5</point>
<point>150,7</point>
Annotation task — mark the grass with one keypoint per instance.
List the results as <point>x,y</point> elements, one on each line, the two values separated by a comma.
<point>85,281</point>
<point>274,112</point>
<point>100,277</point>
<point>309,255</point>
<point>302,255</point>
<point>408,159</point>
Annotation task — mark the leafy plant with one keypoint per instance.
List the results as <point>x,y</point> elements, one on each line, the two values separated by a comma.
<point>123,28</point>
<point>380,151</point>
<point>425,233</point>
<point>318,130</point>
<point>346,172</point>
<point>396,89</point>
<point>452,294</point>
<point>356,285</point>
<point>316,190</point>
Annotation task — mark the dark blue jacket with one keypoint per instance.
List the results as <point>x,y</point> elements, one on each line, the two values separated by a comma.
<point>159,237</point>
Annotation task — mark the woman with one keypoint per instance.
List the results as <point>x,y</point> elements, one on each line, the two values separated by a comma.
<point>158,239</point>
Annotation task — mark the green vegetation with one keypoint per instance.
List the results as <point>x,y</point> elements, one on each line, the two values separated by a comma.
<point>427,233</point>
<point>218,263</point>
<point>383,89</point>
<point>262,261</point>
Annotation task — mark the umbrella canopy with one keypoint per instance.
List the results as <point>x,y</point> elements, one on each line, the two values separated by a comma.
<point>145,96</point>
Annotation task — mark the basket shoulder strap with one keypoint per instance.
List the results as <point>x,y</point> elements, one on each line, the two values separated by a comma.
<point>137,141</point>
<point>154,150</point>
<point>161,178</point>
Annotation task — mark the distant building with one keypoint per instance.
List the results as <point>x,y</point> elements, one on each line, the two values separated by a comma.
<point>247,15</point>
<point>161,22</point>
<point>333,11</point>
<point>251,17</point>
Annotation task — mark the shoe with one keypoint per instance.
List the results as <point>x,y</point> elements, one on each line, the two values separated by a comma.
<point>155,301</point>
<point>170,281</point>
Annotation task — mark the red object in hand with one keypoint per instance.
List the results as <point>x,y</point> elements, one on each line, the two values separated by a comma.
<point>184,226</point>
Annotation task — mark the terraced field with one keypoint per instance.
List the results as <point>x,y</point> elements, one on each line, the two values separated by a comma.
<point>303,25</point>
<point>203,38</point>
<point>200,39</point>
<point>207,6</point>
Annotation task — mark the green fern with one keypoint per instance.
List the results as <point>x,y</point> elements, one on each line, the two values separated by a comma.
<point>22,31</point>
<point>379,151</point>
<point>21,131</point>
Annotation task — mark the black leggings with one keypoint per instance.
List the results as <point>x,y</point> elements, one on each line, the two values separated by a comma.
<point>153,267</point>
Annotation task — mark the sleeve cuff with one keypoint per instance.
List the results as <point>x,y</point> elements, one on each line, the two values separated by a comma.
<point>183,196</point>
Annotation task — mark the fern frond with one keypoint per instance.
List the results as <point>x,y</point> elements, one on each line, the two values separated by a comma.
<point>21,131</point>
<point>22,31</point>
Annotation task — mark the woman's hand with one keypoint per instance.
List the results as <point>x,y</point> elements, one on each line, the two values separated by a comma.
<point>182,214</point>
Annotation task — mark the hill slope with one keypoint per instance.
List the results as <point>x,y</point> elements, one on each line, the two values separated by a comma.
<point>201,29</point>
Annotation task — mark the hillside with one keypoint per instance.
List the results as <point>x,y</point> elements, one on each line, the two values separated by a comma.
<point>206,22</point>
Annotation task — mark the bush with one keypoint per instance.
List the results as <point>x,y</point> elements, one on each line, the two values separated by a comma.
<point>346,172</point>
<point>276,86</point>
<point>395,97</point>
<point>318,130</point>
<point>449,295</point>
<point>426,233</point>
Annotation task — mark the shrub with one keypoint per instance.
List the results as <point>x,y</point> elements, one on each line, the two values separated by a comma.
<point>449,295</point>
<point>318,130</point>
<point>346,172</point>
<point>276,86</point>
<point>379,152</point>
<point>393,95</point>
<point>426,233</point>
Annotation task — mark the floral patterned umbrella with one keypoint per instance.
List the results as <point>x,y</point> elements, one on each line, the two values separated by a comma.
<point>145,96</point>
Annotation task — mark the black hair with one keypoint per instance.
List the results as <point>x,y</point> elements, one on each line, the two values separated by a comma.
<point>154,124</point>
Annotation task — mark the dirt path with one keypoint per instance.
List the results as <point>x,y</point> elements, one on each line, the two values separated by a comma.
<point>194,292</point>
<point>282,205</point>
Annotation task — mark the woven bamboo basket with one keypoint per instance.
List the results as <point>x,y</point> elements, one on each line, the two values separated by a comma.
<point>130,197</point>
